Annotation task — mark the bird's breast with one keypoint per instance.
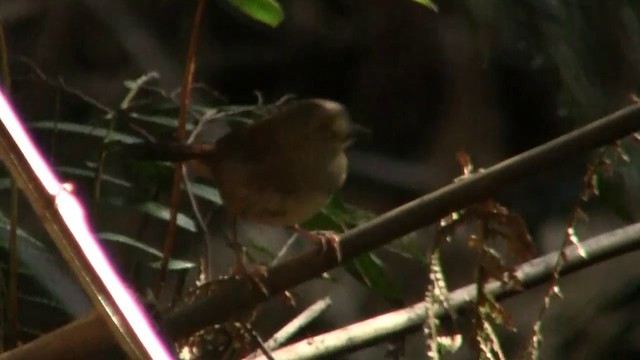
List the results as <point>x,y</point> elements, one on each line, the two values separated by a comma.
<point>280,193</point>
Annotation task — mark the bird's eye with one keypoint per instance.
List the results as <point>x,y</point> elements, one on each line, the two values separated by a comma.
<point>326,130</point>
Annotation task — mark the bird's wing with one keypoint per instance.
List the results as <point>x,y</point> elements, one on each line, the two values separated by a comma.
<point>262,151</point>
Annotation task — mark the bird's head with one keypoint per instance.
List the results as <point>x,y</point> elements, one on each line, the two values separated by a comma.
<point>322,121</point>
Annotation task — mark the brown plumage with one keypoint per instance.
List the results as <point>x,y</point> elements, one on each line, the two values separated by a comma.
<point>283,169</point>
<point>280,170</point>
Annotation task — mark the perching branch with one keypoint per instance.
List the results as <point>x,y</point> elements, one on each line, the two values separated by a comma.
<point>236,296</point>
<point>533,273</point>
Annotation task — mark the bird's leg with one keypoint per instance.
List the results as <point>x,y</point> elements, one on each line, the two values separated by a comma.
<point>327,238</point>
<point>240,266</point>
<point>242,259</point>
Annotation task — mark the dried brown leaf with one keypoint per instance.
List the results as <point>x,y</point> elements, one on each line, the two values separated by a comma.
<point>465,162</point>
<point>520,244</point>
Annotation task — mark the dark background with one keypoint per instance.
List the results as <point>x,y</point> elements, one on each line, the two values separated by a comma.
<point>492,79</point>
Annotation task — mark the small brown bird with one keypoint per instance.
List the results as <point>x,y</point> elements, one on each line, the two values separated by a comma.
<point>280,170</point>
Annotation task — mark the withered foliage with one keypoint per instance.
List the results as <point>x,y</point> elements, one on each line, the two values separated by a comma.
<point>222,341</point>
<point>500,240</point>
<point>600,165</point>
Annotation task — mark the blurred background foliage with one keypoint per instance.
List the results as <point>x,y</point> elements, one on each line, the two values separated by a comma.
<point>490,77</point>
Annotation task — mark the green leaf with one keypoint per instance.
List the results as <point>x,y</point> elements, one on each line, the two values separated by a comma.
<point>367,268</point>
<point>261,249</point>
<point>323,221</point>
<point>265,11</point>
<point>174,264</point>
<point>338,216</point>
<point>40,299</point>
<point>85,130</point>
<point>5,183</point>
<point>198,189</point>
<point>44,278</point>
<point>428,3</point>
<point>160,211</point>
<point>91,174</point>
<point>334,216</point>
<point>157,210</point>
<point>206,192</point>
<point>23,237</point>
<point>406,246</point>
<point>370,270</point>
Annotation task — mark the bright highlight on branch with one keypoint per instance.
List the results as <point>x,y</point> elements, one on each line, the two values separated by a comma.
<point>119,303</point>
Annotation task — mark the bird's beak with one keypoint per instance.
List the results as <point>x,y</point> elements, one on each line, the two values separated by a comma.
<point>359,132</point>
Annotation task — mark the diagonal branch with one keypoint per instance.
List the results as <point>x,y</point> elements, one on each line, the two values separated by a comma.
<point>533,273</point>
<point>64,219</point>
<point>234,297</point>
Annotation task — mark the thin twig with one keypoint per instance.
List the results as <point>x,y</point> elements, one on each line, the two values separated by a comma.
<point>208,117</point>
<point>194,204</point>
<point>67,88</point>
<point>84,97</point>
<point>294,326</point>
<point>205,267</point>
<point>262,347</point>
<point>180,134</point>
<point>137,84</point>
<point>284,249</point>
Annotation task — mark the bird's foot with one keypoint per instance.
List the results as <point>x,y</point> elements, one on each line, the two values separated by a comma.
<point>245,267</point>
<point>327,238</point>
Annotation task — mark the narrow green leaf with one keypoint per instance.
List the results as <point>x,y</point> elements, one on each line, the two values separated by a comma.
<point>174,264</point>
<point>41,300</point>
<point>156,210</point>
<point>45,268</point>
<point>5,183</point>
<point>323,221</point>
<point>91,174</point>
<point>370,270</point>
<point>160,211</point>
<point>332,217</point>
<point>428,3</point>
<point>85,130</point>
<point>198,189</point>
<point>337,216</point>
<point>22,235</point>
<point>265,11</point>
<point>367,268</point>
<point>261,249</point>
<point>206,192</point>
<point>23,269</point>
<point>406,246</point>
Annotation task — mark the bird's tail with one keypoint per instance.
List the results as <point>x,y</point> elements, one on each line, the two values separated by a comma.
<point>173,152</point>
